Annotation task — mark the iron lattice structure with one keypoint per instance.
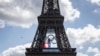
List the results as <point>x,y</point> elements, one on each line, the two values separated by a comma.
<point>50,20</point>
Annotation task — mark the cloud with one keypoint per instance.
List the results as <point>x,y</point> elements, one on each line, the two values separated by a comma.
<point>97,11</point>
<point>81,47</point>
<point>97,54</point>
<point>96,51</point>
<point>69,11</point>
<point>17,17</point>
<point>93,50</point>
<point>88,34</point>
<point>2,25</point>
<point>81,54</point>
<point>7,1</point>
<point>97,2</point>
<point>21,13</point>
<point>16,51</point>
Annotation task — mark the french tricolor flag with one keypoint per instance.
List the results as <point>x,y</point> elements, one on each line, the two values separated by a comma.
<point>45,45</point>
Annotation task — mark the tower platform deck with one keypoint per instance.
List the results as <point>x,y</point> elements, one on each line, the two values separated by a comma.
<point>50,52</point>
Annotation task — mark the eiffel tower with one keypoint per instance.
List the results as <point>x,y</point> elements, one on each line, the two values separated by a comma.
<point>50,28</point>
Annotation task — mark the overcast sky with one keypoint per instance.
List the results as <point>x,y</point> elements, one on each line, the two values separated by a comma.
<point>18,24</point>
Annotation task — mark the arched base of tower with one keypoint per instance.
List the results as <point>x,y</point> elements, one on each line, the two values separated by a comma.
<point>50,52</point>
